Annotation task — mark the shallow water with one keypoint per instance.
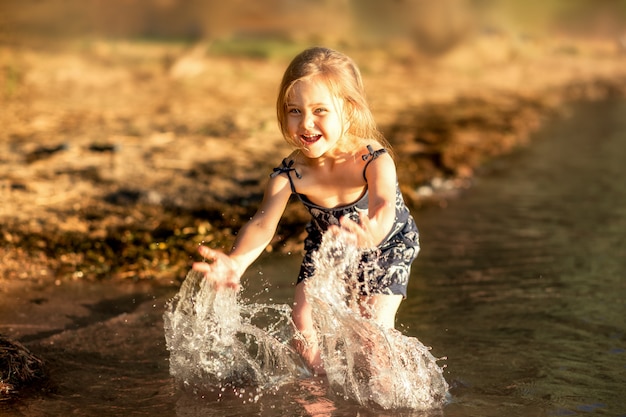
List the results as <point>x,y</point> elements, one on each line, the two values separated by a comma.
<point>221,344</point>
<point>520,284</point>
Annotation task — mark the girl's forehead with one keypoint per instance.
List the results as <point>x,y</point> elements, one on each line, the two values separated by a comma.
<point>311,89</point>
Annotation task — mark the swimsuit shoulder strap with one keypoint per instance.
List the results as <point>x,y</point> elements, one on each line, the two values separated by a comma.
<point>286,168</point>
<point>370,156</point>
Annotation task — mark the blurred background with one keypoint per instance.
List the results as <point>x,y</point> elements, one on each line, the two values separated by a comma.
<point>431,26</point>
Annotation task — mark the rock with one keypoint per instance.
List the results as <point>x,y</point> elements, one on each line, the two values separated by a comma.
<point>19,368</point>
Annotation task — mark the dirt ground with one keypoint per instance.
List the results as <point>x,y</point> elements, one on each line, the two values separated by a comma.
<point>117,158</point>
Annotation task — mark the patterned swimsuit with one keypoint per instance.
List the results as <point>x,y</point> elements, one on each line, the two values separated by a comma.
<point>382,271</point>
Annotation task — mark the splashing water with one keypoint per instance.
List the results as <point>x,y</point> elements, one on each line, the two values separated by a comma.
<point>364,361</point>
<point>217,343</point>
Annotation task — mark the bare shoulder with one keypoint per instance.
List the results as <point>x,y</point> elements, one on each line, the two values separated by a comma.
<point>380,152</point>
<point>382,165</point>
<point>295,161</point>
<point>278,186</point>
<point>289,169</point>
<point>285,165</point>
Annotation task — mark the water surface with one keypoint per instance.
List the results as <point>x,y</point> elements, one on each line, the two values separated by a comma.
<point>520,284</point>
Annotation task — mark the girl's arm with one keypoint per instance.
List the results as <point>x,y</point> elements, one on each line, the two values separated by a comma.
<point>376,225</point>
<point>253,238</point>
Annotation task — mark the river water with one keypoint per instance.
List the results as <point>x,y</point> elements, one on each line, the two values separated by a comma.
<point>521,284</point>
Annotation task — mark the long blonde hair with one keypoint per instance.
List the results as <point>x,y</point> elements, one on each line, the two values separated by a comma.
<point>343,78</point>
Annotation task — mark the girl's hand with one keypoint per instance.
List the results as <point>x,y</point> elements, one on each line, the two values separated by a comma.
<point>221,269</point>
<point>362,233</point>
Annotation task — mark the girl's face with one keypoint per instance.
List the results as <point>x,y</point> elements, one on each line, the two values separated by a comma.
<point>315,118</point>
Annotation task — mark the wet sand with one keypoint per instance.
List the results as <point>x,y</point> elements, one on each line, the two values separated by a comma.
<point>120,157</point>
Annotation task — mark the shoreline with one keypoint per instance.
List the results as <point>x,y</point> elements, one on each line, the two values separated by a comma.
<point>121,158</point>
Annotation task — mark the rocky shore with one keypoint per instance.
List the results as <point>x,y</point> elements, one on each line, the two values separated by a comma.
<point>119,158</point>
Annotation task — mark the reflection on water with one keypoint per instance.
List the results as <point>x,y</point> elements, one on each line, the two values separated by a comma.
<point>520,284</point>
<point>532,261</point>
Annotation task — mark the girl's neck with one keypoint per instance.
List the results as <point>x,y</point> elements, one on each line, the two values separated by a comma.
<point>329,159</point>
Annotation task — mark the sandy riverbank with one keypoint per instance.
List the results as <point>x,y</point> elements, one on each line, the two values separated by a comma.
<point>119,157</point>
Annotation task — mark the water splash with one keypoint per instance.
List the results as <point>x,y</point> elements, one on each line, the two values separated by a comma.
<point>364,361</point>
<point>220,344</point>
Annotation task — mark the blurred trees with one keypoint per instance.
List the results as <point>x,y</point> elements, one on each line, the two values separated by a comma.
<point>433,26</point>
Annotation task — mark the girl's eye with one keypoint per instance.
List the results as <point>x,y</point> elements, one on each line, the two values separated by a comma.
<point>293,111</point>
<point>320,110</point>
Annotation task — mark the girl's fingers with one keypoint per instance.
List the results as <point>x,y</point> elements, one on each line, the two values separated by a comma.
<point>220,277</point>
<point>209,254</point>
<point>350,225</point>
<point>201,267</point>
<point>365,221</point>
<point>219,269</point>
<point>361,232</point>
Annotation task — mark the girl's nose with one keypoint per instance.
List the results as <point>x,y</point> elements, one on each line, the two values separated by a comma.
<point>307,121</point>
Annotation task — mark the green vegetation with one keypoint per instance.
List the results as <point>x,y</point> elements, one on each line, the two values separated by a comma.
<point>262,47</point>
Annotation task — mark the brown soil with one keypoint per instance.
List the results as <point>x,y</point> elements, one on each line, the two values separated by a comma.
<point>119,158</point>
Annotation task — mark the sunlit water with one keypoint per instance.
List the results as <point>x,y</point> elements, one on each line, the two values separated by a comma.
<point>220,345</point>
<point>520,284</point>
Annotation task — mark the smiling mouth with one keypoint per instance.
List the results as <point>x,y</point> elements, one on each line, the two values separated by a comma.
<point>309,139</point>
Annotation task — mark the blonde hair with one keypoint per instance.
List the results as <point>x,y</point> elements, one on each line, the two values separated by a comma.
<point>343,78</point>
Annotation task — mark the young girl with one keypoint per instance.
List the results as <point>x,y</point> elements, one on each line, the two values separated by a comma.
<point>341,171</point>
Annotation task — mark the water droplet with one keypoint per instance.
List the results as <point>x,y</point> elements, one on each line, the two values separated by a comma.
<point>203,327</point>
